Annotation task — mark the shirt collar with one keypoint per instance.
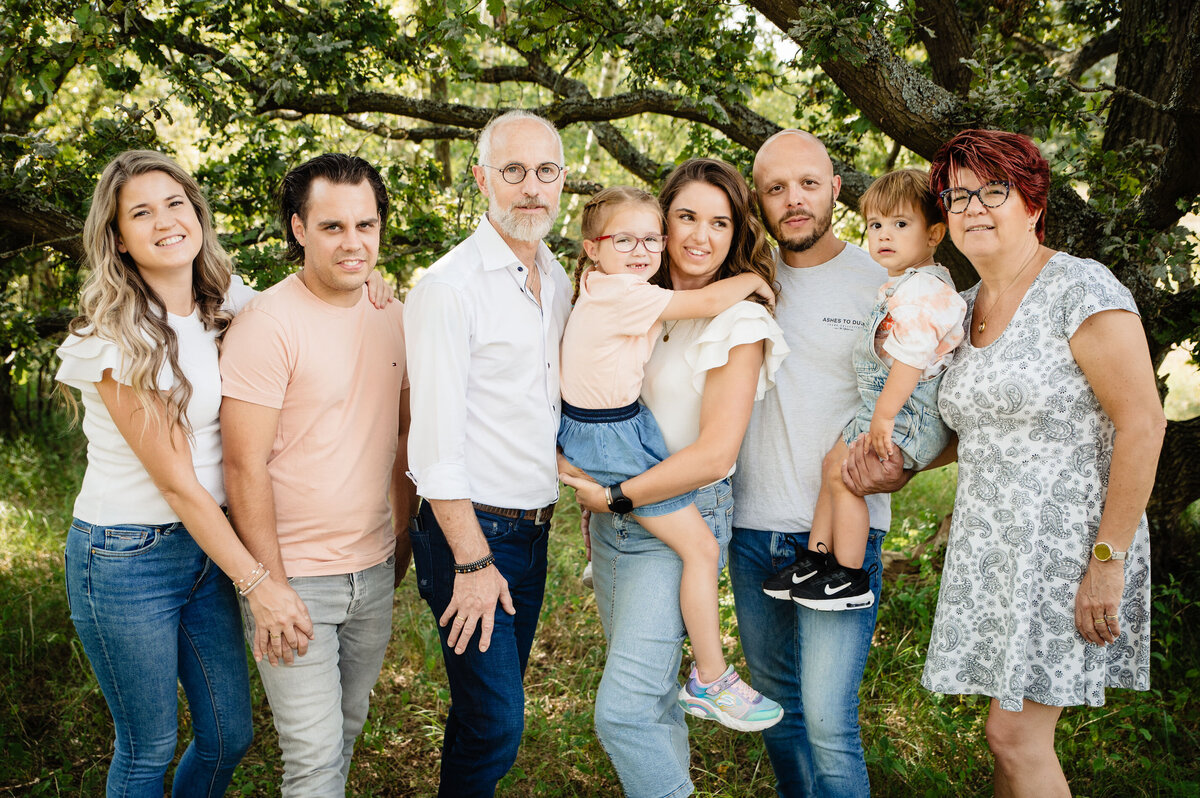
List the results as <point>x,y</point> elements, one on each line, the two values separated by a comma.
<point>497,254</point>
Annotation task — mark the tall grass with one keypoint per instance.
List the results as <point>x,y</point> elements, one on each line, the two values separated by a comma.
<point>56,736</point>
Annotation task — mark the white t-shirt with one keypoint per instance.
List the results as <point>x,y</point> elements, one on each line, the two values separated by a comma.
<point>678,370</point>
<point>823,311</point>
<point>116,486</point>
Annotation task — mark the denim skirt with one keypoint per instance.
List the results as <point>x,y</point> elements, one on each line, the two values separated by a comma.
<point>612,445</point>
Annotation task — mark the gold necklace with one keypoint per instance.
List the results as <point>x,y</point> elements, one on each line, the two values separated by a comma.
<point>983,323</point>
<point>667,330</point>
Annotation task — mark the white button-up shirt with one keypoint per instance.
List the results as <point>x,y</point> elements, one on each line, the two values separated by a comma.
<point>483,367</point>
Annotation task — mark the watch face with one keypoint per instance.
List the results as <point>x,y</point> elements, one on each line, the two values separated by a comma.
<point>1103,551</point>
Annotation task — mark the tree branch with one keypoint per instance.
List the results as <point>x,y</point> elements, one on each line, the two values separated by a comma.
<point>912,108</point>
<point>416,134</point>
<point>942,29</point>
<point>27,222</point>
<point>1080,60</point>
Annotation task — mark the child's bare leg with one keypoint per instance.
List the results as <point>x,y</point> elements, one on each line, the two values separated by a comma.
<point>851,519</point>
<point>822,523</point>
<point>689,537</point>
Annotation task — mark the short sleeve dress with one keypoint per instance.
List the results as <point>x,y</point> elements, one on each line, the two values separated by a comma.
<point>1034,452</point>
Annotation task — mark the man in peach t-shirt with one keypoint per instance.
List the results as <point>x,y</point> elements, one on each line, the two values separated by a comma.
<point>315,425</point>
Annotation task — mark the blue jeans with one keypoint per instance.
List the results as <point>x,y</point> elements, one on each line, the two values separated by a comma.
<point>319,702</point>
<point>811,662</point>
<point>636,576</point>
<point>487,694</point>
<point>152,611</point>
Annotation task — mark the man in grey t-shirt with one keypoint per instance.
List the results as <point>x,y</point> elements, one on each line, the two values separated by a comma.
<point>810,661</point>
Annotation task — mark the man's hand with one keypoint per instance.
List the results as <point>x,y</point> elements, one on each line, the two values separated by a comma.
<point>474,603</point>
<point>866,472</point>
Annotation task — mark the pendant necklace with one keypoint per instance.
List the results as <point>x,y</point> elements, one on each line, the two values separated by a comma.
<point>983,323</point>
<point>668,329</point>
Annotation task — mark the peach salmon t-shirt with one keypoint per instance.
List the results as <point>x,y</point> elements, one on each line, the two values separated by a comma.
<point>335,374</point>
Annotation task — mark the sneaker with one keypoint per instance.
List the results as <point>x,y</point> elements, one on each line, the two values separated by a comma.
<point>807,565</point>
<point>729,701</point>
<point>586,576</point>
<point>839,588</point>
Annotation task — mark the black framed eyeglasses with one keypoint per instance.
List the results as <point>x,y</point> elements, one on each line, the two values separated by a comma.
<point>627,242</point>
<point>514,173</point>
<point>993,195</point>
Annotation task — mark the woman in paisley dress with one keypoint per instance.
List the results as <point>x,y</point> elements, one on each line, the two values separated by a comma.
<point>1045,594</point>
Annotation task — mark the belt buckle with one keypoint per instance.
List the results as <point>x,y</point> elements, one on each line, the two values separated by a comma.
<point>548,510</point>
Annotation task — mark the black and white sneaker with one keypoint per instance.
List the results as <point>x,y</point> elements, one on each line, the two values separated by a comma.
<point>839,588</point>
<point>807,565</point>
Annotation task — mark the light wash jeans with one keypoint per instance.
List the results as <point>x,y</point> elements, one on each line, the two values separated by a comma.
<point>636,577</point>
<point>319,702</point>
<point>153,612</point>
<point>811,662</point>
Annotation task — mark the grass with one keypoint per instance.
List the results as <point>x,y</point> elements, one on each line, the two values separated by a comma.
<point>55,733</point>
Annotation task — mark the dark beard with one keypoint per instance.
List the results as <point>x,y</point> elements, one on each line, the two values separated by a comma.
<point>806,243</point>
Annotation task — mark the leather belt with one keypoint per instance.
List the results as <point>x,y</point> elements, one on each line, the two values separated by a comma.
<point>540,516</point>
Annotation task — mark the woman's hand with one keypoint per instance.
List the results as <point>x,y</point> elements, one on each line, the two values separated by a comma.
<point>282,627</point>
<point>1098,601</point>
<point>588,492</point>
<point>881,434</point>
<point>379,290</point>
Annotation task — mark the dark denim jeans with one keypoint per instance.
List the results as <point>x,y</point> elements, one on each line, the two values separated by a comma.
<point>487,696</point>
<point>808,660</point>
<point>153,611</point>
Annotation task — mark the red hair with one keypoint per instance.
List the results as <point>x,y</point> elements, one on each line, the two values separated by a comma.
<point>996,155</point>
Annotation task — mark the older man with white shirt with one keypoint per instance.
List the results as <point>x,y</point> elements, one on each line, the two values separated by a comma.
<point>484,326</point>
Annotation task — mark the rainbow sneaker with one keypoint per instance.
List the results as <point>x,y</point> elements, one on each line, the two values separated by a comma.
<point>730,702</point>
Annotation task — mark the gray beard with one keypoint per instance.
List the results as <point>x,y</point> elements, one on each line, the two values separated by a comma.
<point>523,228</point>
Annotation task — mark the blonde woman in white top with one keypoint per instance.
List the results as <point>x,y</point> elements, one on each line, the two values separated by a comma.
<point>149,549</point>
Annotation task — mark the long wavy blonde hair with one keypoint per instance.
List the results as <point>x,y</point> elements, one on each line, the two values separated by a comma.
<point>116,304</point>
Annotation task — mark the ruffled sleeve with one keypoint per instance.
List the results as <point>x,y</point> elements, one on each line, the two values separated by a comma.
<point>744,323</point>
<point>84,361</point>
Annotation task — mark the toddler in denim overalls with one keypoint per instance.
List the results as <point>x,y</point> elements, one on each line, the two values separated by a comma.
<point>910,337</point>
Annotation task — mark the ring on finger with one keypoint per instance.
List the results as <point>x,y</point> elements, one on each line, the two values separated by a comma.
<point>460,619</point>
<point>1110,617</point>
<point>1101,622</point>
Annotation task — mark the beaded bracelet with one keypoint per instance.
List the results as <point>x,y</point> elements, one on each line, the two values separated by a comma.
<point>240,584</point>
<point>261,578</point>
<point>478,565</point>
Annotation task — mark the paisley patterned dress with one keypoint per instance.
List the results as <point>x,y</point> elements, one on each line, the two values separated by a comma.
<point>1034,452</point>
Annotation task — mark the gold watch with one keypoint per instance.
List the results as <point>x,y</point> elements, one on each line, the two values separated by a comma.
<point>1104,552</point>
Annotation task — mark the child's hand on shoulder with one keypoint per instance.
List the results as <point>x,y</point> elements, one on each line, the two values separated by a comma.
<point>763,290</point>
<point>880,435</point>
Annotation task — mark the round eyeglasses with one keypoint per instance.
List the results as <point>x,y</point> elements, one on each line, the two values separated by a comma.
<point>514,173</point>
<point>993,195</point>
<point>627,242</point>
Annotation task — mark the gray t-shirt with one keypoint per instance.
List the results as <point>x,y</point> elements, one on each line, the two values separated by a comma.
<point>822,310</point>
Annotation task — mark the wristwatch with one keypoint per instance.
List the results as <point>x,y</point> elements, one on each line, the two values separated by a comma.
<point>1105,552</point>
<point>618,502</point>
